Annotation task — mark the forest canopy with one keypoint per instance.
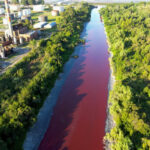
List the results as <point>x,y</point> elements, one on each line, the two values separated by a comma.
<point>128,31</point>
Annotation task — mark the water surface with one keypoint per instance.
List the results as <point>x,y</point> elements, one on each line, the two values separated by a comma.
<point>78,121</point>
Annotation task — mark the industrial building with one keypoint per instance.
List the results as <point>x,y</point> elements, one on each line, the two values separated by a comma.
<point>26,12</point>
<point>43,18</point>
<point>15,34</point>
<point>14,7</point>
<point>37,8</point>
<point>6,46</point>
<point>50,25</point>
<point>39,25</point>
<point>21,33</point>
<point>55,12</point>
<point>30,35</point>
<point>2,11</point>
<point>59,8</point>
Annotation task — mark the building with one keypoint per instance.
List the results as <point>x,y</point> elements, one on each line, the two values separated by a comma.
<point>42,18</point>
<point>2,11</point>
<point>39,25</point>
<point>59,8</point>
<point>59,3</point>
<point>21,33</point>
<point>14,7</point>
<point>26,12</point>
<point>20,14</point>
<point>30,35</point>
<point>5,21</point>
<point>6,47</point>
<point>19,29</point>
<point>50,25</point>
<point>55,12</point>
<point>38,8</point>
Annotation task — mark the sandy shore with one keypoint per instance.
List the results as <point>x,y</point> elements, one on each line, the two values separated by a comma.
<point>109,120</point>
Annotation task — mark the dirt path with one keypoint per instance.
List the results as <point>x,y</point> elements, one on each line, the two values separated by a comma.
<point>9,62</point>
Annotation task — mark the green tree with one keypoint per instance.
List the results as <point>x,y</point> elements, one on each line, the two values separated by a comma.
<point>15,1</point>
<point>24,2</point>
<point>31,2</point>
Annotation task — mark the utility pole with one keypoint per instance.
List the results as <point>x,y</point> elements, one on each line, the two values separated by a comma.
<point>8,18</point>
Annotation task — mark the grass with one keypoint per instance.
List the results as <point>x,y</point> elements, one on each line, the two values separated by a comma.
<point>142,9</point>
<point>46,32</point>
<point>35,16</point>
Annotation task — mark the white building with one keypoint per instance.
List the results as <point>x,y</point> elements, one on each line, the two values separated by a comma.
<point>5,21</point>
<point>38,7</point>
<point>2,11</point>
<point>2,52</point>
<point>19,14</point>
<point>39,25</point>
<point>60,3</point>
<point>59,8</point>
<point>50,25</point>
<point>7,33</point>
<point>14,7</point>
<point>55,12</point>
<point>26,12</point>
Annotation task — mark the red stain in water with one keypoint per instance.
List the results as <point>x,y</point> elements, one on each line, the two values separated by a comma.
<point>78,122</point>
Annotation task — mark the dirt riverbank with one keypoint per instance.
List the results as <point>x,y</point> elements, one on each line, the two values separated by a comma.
<point>109,121</point>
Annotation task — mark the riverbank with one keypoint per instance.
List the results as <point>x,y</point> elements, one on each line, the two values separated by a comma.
<point>109,121</point>
<point>130,95</point>
<point>36,133</point>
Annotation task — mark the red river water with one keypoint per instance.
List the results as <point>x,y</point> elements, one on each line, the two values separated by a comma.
<point>78,121</point>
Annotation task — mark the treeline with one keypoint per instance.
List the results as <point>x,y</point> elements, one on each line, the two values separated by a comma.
<point>128,30</point>
<point>28,2</point>
<point>24,87</point>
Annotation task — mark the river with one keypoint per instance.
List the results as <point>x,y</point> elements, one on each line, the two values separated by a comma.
<point>78,121</point>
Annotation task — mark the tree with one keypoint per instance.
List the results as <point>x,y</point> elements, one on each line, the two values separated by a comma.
<point>3,145</point>
<point>15,1</point>
<point>24,2</point>
<point>31,2</point>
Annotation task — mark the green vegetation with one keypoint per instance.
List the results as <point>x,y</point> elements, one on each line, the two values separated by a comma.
<point>35,15</point>
<point>128,31</point>
<point>24,87</point>
<point>1,2</point>
<point>28,2</point>
<point>15,1</point>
